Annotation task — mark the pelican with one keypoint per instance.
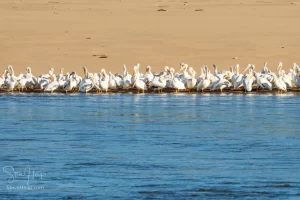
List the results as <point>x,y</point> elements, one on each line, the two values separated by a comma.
<point>248,79</point>
<point>44,79</point>
<point>21,83</point>
<point>11,80</point>
<point>184,77</point>
<point>148,77</point>
<point>103,81</point>
<point>2,79</point>
<point>53,85</point>
<point>221,82</point>
<point>175,82</point>
<point>137,82</point>
<point>112,84</point>
<point>61,78</point>
<point>296,75</point>
<point>237,79</point>
<point>32,80</point>
<point>126,78</point>
<point>265,69</point>
<point>159,82</point>
<point>201,76</point>
<point>262,81</point>
<point>71,83</point>
<point>87,82</point>
<point>204,83</point>
<point>191,83</point>
<point>281,86</point>
<point>119,80</point>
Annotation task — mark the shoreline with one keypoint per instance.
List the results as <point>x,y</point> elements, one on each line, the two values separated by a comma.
<point>295,91</point>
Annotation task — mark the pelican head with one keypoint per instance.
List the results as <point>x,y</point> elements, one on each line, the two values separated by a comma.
<point>167,69</point>
<point>184,67</point>
<point>28,69</point>
<point>62,70</point>
<point>172,70</point>
<point>249,65</point>
<point>191,70</point>
<point>103,71</point>
<point>148,69</point>
<point>279,66</point>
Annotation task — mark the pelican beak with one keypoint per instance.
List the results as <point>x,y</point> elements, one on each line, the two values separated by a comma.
<point>246,69</point>
<point>299,73</point>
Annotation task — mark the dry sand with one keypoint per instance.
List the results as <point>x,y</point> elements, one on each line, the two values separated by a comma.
<point>67,33</point>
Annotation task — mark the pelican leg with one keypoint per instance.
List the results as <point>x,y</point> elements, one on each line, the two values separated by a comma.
<point>66,91</point>
<point>202,90</point>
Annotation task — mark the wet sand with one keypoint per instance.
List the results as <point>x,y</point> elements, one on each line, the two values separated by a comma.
<point>228,91</point>
<point>72,34</point>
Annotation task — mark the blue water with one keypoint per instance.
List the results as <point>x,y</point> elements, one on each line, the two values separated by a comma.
<point>123,146</point>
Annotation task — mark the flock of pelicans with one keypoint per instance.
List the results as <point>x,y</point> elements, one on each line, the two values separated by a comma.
<point>183,80</point>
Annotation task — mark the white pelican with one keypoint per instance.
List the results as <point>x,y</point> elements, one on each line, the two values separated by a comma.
<point>191,83</point>
<point>126,78</point>
<point>204,83</point>
<point>71,83</point>
<point>112,84</point>
<point>87,82</point>
<point>281,86</point>
<point>237,79</point>
<point>175,82</point>
<point>61,78</point>
<point>148,77</point>
<point>184,77</point>
<point>119,80</point>
<point>2,79</point>
<point>265,69</point>
<point>53,85</point>
<point>248,79</point>
<point>201,76</point>
<point>159,82</point>
<point>262,81</point>
<point>287,79</point>
<point>44,79</point>
<point>21,83</point>
<point>296,75</point>
<point>103,81</point>
<point>138,83</point>
<point>32,80</point>
<point>11,80</point>
<point>221,82</point>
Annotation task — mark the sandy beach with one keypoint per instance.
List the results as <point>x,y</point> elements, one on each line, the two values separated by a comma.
<point>71,34</point>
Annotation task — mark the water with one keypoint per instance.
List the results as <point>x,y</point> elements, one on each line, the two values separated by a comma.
<point>122,146</point>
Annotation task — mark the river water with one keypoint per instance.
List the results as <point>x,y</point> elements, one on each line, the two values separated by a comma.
<point>147,146</point>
